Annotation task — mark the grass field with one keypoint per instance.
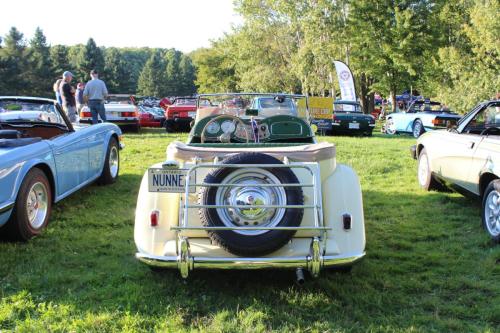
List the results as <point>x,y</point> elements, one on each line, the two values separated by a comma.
<point>429,266</point>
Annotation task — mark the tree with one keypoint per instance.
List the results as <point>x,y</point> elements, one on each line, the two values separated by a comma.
<point>116,73</point>
<point>59,60</point>
<point>188,76</point>
<point>172,76</point>
<point>13,58</point>
<point>41,74</point>
<point>90,57</point>
<point>151,78</point>
<point>471,62</point>
<point>215,71</point>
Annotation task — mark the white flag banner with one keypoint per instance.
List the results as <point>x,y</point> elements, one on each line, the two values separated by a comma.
<point>346,81</point>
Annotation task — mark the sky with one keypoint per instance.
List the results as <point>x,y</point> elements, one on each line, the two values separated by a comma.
<point>182,24</point>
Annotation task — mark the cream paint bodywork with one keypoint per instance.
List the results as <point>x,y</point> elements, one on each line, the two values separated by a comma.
<point>339,191</point>
<point>461,158</point>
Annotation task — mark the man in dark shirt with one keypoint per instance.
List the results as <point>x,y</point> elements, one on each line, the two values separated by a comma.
<point>68,96</point>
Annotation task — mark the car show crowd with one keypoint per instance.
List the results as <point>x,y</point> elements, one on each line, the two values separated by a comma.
<point>93,94</point>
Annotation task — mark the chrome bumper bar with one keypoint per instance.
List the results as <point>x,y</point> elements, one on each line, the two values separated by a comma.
<point>313,262</point>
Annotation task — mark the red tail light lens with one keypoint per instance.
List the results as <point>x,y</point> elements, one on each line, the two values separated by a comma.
<point>154,218</point>
<point>85,114</point>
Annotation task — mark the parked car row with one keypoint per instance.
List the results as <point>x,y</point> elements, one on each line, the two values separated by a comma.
<point>250,188</point>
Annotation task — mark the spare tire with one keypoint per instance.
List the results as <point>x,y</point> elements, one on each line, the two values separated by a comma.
<point>251,242</point>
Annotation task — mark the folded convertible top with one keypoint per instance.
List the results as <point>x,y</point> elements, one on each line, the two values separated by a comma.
<point>303,153</point>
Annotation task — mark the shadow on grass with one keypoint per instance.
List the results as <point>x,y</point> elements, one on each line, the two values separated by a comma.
<point>416,264</point>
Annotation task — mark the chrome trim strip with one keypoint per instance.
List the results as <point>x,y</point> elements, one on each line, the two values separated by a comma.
<point>246,207</point>
<point>250,228</point>
<point>249,263</point>
<point>7,207</point>
<point>260,185</point>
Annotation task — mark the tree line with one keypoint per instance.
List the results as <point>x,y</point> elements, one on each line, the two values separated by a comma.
<point>31,67</point>
<point>447,50</point>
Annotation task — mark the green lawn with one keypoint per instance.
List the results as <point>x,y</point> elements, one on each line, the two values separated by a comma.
<point>429,264</point>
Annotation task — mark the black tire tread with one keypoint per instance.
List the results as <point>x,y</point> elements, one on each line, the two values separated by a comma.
<point>281,237</point>
<point>106,178</point>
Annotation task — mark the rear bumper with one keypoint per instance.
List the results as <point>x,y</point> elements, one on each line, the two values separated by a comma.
<point>179,121</point>
<point>313,262</point>
<point>114,121</point>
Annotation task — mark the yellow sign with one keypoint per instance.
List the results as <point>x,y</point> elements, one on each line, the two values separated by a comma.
<point>321,107</point>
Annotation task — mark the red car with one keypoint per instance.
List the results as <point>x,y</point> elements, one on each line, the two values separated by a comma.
<point>179,114</point>
<point>151,116</point>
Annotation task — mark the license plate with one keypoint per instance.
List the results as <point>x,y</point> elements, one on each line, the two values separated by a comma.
<point>168,180</point>
<point>192,114</point>
<point>354,125</point>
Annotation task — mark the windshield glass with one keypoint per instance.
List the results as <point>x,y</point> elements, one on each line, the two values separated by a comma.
<point>13,111</point>
<point>119,99</point>
<point>426,107</point>
<point>341,107</point>
<point>256,105</point>
<point>185,101</point>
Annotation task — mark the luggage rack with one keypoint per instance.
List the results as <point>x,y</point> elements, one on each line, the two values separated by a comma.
<point>313,262</point>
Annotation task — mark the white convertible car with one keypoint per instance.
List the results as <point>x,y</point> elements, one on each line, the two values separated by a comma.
<point>466,159</point>
<point>422,116</point>
<point>250,189</point>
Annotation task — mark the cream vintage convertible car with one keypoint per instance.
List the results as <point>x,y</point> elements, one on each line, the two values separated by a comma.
<point>466,158</point>
<point>249,189</point>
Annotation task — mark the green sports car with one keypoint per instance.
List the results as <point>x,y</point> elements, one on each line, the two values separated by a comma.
<point>348,118</point>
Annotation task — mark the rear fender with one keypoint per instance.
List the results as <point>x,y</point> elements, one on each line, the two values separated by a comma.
<point>341,196</point>
<point>150,239</point>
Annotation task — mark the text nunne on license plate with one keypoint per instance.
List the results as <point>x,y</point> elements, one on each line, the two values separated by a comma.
<point>168,180</point>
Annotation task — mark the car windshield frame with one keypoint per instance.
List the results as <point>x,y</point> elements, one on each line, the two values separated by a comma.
<point>355,105</point>
<point>248,100</point>
<point>61,120</point>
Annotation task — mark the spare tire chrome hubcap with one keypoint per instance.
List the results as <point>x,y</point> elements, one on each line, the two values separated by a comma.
<point>251,195</point>
<point>492,213</point>
<point>37,205</point>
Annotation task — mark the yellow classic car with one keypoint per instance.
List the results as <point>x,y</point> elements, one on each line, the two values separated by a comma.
<point>466,158</point>
<point>251,188</point>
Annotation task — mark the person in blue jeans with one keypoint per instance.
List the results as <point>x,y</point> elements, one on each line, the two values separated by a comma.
<point>95,94</point>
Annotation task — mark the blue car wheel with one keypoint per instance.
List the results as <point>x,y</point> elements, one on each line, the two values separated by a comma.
<point>32,208</point>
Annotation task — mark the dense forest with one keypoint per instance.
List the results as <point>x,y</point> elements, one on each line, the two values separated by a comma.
<point>447,50</point>
<point>31,67</point>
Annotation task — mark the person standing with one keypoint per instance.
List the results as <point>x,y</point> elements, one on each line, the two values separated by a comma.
<point>79,98</point>
<point>68,96</point>
<point>56,87</point>
<point>95,93</point>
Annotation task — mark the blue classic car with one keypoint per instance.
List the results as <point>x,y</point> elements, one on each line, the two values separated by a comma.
<point>420,117</point>
<point>44,158</point>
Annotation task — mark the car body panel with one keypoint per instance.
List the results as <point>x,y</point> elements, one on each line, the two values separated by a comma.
<point>334,193</point>
<point>70,161</point>
<point>402,122</point>
<point>460,158</point>
<point>180,114</point>
<point>347,118</point>
<point>120,110</point>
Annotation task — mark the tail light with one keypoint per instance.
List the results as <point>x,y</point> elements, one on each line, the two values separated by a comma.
<point>333,116</point>
<point>439,122</point>
<point>129,114</point>
<point>154,218</point>
<point>347,221</point>
<point>85,114</point>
